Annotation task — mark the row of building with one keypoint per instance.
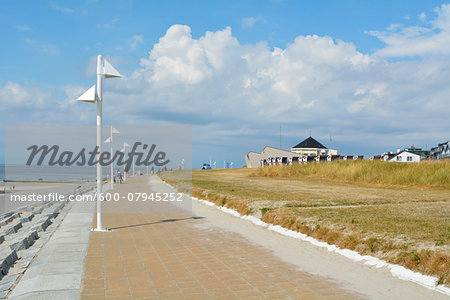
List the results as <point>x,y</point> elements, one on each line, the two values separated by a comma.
<point>304,152</point>
<point>412,154</point>
<point>310,150</point>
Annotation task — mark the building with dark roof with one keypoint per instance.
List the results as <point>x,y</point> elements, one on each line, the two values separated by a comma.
<point>312,147</point>
<point>304,151</point>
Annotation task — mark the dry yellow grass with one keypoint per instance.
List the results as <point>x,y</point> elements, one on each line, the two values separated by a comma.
<point>426,173</point>
<point>393,219</point>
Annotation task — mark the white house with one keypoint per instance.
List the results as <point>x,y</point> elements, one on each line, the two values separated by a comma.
<point>405,157</point>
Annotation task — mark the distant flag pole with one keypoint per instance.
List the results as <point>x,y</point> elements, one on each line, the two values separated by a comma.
<point>124,173</point>
<point>134,174</point>
<point>93,95</point>
<point>280,137</point>
<point>125,145</point>
<point>110,140</point>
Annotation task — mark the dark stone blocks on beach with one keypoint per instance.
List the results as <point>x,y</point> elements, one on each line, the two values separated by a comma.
<point>7,259</point>
<point>13,228</point>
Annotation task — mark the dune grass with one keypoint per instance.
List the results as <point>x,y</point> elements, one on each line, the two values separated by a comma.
<point>427,173</point>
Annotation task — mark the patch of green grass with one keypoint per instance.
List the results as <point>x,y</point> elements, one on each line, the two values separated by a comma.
<point>264,210</point>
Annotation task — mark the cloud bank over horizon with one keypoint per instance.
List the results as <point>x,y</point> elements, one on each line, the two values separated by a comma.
<point>237,95</point>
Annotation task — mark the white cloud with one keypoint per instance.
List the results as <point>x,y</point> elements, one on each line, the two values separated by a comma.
<point>23,28</point>
<point>12,94</point>
<point>423,17</point>
<point>316,82</point>
<point>72,93</point>
<point>16,96</point>
<point>430,39</point>
<point>41,47</point>
<point>62,9</point>
<point>109,24</point>
<point>24,104</point>
<point>135,40</point>
<point>248,22</point>
<point>236,96</point>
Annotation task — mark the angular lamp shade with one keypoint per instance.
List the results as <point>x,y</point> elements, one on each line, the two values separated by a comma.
<point>108,140</point>
<point>109,70</point>
<point>115,130</point>
<point>89,96</point>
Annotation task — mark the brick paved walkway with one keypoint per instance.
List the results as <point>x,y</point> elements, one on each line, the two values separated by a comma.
<point>169,256</point>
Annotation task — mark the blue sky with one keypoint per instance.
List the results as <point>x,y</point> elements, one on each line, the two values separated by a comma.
<point>369,73</point>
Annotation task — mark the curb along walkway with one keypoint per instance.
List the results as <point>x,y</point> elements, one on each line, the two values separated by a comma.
<point>176,255</point>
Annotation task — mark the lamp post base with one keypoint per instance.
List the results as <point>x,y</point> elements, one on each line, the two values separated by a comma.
<point>101,230</point>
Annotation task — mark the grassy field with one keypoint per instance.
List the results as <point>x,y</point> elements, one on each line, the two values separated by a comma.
<point>427,173</point>
<point>387,213</point>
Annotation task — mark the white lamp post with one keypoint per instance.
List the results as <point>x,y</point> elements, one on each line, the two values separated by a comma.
<point>110,140</point>
<point>104,68</point>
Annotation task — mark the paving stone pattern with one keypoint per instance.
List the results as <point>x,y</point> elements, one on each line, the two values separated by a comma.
<point>177,256</point>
